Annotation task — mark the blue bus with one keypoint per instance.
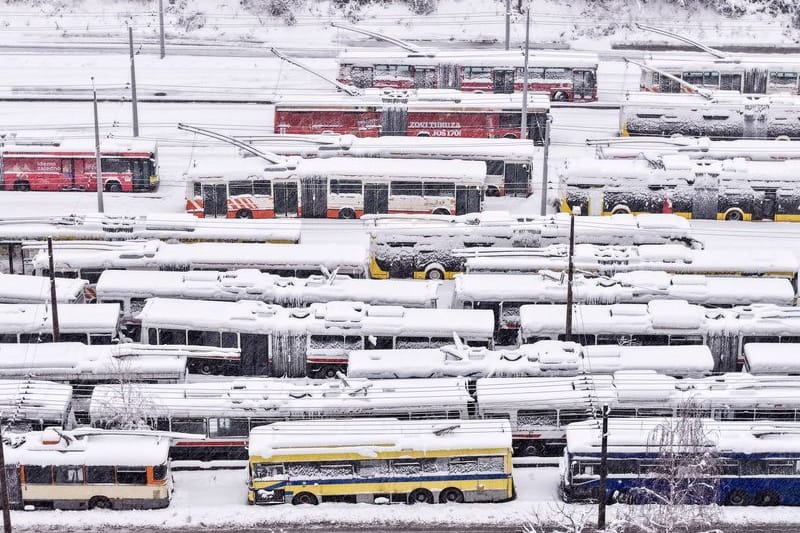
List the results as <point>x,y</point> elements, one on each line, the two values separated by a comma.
<point>755,463</point>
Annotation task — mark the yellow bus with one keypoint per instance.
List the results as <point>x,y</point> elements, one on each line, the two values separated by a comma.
<point>370,460</point>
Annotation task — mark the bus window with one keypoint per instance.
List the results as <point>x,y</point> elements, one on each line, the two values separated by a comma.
<point>346,187</point>
<point>406,188</point>
<point>119,166</point>
<point>471,73</point>
<point>137,304</point>
<point>69,474</point>
<point>196,426</point>
<point>373,468</point>
<point>131,475</point>
<point>378,343</point>
<point>649,340</point>
<point>759,338</point>
<point>100,474</point>
<point>228,427</point>
<point>33,338</point>
<point>685,340</point>
<point>160,472</point>
<point>38,475</point>
<point>73,337</point>
<point>495,168</point>
<point>152,336</point>
<point>90,275</point>
<point>783,79</point>
<point>255,354</point>
<point>198,189</point>
<point>262,187</point>
<point>204,338</point>
<point>230,339</point>
<point>171,336</point>
<point>438,189</point>
<point>510,120</point>
<point>239,188</point>
<point>413,342</point>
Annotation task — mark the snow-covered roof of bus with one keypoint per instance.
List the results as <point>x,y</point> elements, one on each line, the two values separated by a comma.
<point>701,61</point>
<point>107,147</point>
<point>367,437</point>
<point>74,359</point>
<point>420,99</point>
<point>543,358</point>
<point>50,447</point>
<point>72,318</point>
<point>772,357</point>
<point>34,400</point>
<point>702,148</point>
<point>277,397</point>
<point>732,99</point>
<point>342,318</point>
<point>483,58</point>
<point>660,316</point>
<point>16,288</point>
<point>627,287</point>
<point>159,254</point>
<point>251,284</point>
<point>635,435</point>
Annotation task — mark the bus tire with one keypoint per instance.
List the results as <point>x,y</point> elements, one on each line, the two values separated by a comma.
<point>420,496</point>
<point>207,368</point>
<point>441,211</point>
<point>435,273</point>
<point>767,498</point>
<point>113,186</point>
<point>621,211</point>
<point>492,191</point>
<point>560,96</point>
<point>99,502</point>
<point>22,185</point>
<point>509,136</point>
<point>347,213</point>
<point>305,498</point>
<point>451,495</point>
<point>327,371</point>
<point>734,214</point>
<point>244,213</point>
<point>738,498</point>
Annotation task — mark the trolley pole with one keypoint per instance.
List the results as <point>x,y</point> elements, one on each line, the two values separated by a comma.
<point>570,269</point>
<point>97,152</point>
<point>161,27</point>
<point>134,102</point>
<point>2,160</point>
<point>4,487</point>
<point>523,126</point>
<point>545,164</point>
<point>601,500</point>
<point>508,24</point>
<point>53,296</point>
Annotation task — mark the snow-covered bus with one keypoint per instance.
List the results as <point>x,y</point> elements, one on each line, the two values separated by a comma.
<point>780,149</point>
<point>771,358</point>
<point>665,322</point>
<point>30,404</point>
<point>426,248</point>
<point>33,323</point>
<point>373,461</point>
<point>311,341</point>
<point>344,187</point>
<point>733,189</point>
<point>22,289</point>
<point>504,294</point>
<point>222,413</point>
<point>751,462</point>
<point>543,358</point>
<point>88,469</point>
<point>565,75</point>
<point>509,162</point>
<point>87,260</point>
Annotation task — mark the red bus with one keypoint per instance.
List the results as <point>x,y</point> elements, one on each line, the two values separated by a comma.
<point>566,76</point>
<point>423,113</point>
<point>71,166</point>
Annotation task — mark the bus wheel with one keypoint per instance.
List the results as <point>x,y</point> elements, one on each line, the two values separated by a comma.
<point>441,211</point>
<point>768,497</point>
<point>420,496</point>
<point>492,191</point>
<point>734,214</point>
<point>113,186</point>
<point>738,497</point>
<point>347,213</point>
<point>244,213</point>
<point>560,96</point>
<point>207,368</point>
<point>22,186</point>
<point>451,495</point>
<point>305,498</point>
<point>509,136</point>
<point>99,502</point>
<point>327,372</point>
<point>434,274</point>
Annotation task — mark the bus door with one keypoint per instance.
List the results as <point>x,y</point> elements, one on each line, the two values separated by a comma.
<point>285,198</point>
<point>468,199</point>
<point>394,120</point>
<point>730,81</point>
<point>362,77</point>
<point>424,78</point>
<point>769,205</point>
<point>141,177</point>
<point>314,196</point>
<point>517,179</point>
<point>68,170</point>
<point>503,81</point>
<point>755,120</point>
<point>376,198</point>
<point>582,85</point>
<point>13,487</point>
<point>705,200</point>
<point>215,200</point>
<point>449,76</point>
<point>755,81</point>
<point>596,202</point>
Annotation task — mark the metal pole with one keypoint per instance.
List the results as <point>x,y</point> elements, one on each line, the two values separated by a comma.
<point>2,160</point>
<point>99,170</point>
<point>523,127</point>
<point>161,27</point>
<point>601,510</point>
<point>508,23</point>
<point>570,269</point>
<point>53,296</point>
<point>134,102</point>
<point>545,164</point>
<point>4,487</point>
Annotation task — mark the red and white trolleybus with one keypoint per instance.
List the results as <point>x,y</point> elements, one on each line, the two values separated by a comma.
<point>125,166</point>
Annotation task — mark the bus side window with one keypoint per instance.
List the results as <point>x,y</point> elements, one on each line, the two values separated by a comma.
<point>196,426</point>
<point>38,475</point>
<point>262,188</point>
<point>152,336</point>
<point>100,474</point>
<point>198,189</point>
<point>230,339</point>
<point>495,168</point>
<point>228,427</point>
<point>378,343</point>
<point>171,336</point>
<point>204,338</point>
<point>69,474</point>
<point>131,475</point>
<point>73,337</point>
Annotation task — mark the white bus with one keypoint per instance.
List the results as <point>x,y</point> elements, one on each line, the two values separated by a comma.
<point>87,260</point>
<point>29,404</point>
<point>222,413</point>
<point>88,469</point>
<point>780,149</point>
<point>33,323</point>
<point>310,341</point>
<point>543,358</point>
<point>771,358</point>
<point>22,289</point>
<point>509,162</point>
<point>343,187</point>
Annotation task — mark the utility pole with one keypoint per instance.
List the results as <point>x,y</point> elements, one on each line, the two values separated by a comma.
<point>508,23</point>
<point>545,164</point>
<point>4,487</point>
<point>161,27</point>
<point>2,160</point>
<point>570,271</point>
<point>523,127</point>
<point>601,500</point>
<point>97,152</point>
<point>53,296</point>
<point>134,102</point>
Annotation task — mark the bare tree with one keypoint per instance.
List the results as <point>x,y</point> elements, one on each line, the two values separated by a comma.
<point>561,517</point>
<point>125,406</point>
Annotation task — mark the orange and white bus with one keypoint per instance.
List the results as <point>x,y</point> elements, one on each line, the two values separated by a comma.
<point>341,187</point>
